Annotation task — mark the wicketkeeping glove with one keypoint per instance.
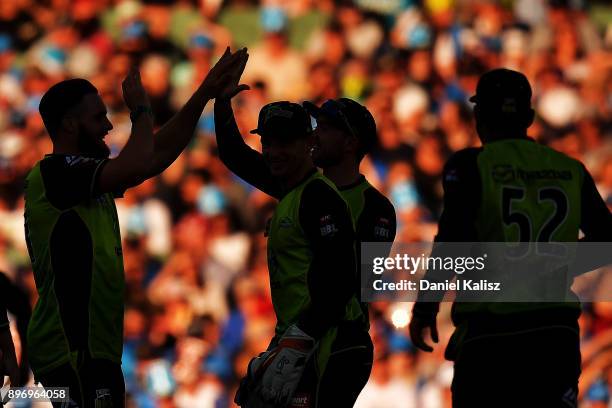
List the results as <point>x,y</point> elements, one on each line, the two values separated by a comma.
<point>284,366</point>
<point>247,395</point>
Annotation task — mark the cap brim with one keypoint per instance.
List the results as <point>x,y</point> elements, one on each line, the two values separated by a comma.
<point>255,132</point>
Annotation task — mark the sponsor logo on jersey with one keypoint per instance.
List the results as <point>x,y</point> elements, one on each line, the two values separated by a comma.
<point>382,228</point>
<point>504,173</point>
<point>451,175</point>
<point>543,174</point>
<point>327,226</point>
<point>76,160</point>
<point>103,394</point>
<point>300,400</point>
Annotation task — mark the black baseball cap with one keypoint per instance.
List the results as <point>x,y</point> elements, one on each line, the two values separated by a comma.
<point>349,115</point>
<point>283,117</point>
<point>503,90</point>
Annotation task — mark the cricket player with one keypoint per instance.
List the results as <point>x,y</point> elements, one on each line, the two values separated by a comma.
<point>345,132</point>
<point>311,260</point>
<point>513,354</point>
<point>75,336</point>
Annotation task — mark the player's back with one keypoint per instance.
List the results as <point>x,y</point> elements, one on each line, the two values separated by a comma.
<point>529,192</point>
<point>521,192</point>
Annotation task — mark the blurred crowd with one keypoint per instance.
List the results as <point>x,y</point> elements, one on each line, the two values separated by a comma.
<point>198,300</point>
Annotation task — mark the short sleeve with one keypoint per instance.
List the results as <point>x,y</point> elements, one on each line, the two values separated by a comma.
<point>70,180</point>
<point>462,195</point>
<point>377,222</point>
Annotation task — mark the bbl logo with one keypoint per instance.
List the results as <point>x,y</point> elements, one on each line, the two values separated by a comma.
<point>502,173</point>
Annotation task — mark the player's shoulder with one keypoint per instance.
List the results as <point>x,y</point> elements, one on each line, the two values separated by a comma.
<point>320,189</point>
<point>464,157</point>
<point>559,155</point>
<point>462,165</point>
<point>322,203</point>
<point>377,200</point>
<point>562,160</point>
<point>59,163</point>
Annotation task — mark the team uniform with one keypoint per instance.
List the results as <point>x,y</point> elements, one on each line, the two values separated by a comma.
<point>374,220</point>
<point>311,264</point>
<point>514,190</point>
<point>373,214</point>
<point>75,336</point>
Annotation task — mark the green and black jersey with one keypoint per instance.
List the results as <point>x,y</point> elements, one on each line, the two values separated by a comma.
<point>373,214</point>
<point>373,219</point>
<point>74,243</point>
<point>311,261</point>
<point>311,257</point>
<point>311,243</point>
<point>518,190</point>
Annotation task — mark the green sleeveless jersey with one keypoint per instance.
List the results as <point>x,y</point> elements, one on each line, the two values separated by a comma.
<point>509,191</point>
<point>373,218</point>
<point>529,193</point>
<point>372,213</point>
<point>311,261</point>
<point>290,256</point>
<point>75,248</point>
<point>541,184</point>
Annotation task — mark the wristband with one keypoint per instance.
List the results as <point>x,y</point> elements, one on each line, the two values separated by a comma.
<point>140,109</point>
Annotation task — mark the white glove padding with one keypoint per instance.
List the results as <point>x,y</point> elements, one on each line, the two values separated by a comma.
<point>284,365</point>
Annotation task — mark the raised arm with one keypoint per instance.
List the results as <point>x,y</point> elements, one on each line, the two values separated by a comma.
<point>130,167</point>
<point>246,163</point>
<point>174,136</point>
<point>146,155</point>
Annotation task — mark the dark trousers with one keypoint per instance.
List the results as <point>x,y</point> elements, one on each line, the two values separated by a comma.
<point>536,368</point>
<point>347,372</point>
<point>95,383</point>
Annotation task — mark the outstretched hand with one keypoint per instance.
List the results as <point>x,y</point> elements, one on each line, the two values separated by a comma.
<point>222,80</point>
<point>134,93</point>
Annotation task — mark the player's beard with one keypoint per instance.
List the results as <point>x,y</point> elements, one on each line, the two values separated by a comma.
<point>92,145</point>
